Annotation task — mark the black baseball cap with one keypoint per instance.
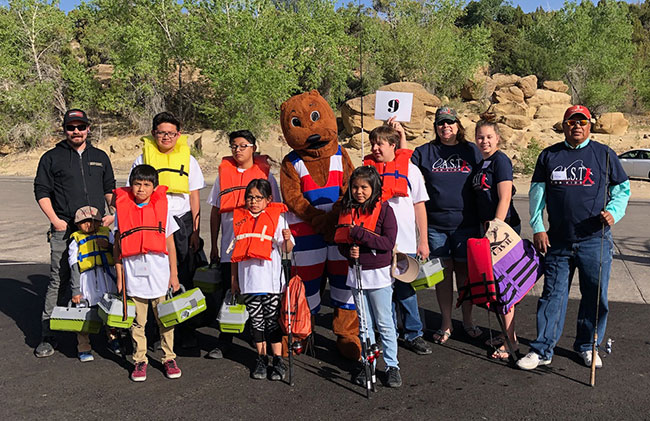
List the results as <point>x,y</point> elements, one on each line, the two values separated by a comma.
<point>75,115</point>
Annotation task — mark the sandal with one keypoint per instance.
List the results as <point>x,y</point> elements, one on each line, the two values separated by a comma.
<point>502,353</point>
<point>441,336</point>
<point>472,331</point>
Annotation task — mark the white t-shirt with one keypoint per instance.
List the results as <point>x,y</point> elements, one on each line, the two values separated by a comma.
<point>226,218</point>
<point>370,278</point>
<point>264,276</point>
<point>95,282</point>
<point>179,203</point>
<point>147,275</point>
<point>406,241</point>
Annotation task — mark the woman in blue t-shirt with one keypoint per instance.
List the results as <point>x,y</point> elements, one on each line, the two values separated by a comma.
<point>446,164</point>
<point>492,182</point>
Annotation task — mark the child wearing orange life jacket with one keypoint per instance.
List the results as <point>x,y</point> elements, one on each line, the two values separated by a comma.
<point>366,235</point>
<point>260,235</point>
<point>146,261</point>
<point>404,190</point>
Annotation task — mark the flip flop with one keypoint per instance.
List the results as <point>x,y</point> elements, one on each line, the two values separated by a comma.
<point>501,353</point>
<point>472,331</point>
<point>442,337</point>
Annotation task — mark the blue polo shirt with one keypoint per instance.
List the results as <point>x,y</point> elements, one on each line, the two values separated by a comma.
<point>488,174</point>
<point>447,171</point>
<point>576,185</point>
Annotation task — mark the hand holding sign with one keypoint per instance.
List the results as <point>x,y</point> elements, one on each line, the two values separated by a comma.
<point>393,104</point>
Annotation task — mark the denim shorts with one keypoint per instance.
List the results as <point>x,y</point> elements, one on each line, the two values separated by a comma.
<point>447,244</point>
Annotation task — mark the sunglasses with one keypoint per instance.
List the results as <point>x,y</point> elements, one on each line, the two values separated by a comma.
<point>447,122</point>
<point>572,123</point>
<point>72,127</point>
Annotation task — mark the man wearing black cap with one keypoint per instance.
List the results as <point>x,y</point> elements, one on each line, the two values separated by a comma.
<point>583,186</point>
<point>71,175</point>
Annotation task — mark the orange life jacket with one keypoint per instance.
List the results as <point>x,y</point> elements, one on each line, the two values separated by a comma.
<point>394,174</point>
<point>142,229</point>
<point>254,235</point>
<point>348,219</point>
<point>232,183</point>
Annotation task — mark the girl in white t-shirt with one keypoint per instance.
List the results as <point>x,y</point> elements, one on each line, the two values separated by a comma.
<point>260,234</point>
<point>366,235</point>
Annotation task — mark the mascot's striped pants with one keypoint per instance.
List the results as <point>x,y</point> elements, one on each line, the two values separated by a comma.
<point>314,258</point>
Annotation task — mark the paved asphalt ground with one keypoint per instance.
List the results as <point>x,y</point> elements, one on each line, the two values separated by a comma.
<point>457,381</point>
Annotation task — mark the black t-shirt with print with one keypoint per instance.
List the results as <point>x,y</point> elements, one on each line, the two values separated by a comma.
<point>576,187</point>
<point>446,171</point>
<point>486,176</point>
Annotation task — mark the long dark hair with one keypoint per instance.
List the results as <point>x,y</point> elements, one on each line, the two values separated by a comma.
<point>371,175</point>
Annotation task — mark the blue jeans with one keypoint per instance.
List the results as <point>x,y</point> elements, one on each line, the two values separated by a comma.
<point>404,296</point>
<point>562,259</point>
<point>377,303</point>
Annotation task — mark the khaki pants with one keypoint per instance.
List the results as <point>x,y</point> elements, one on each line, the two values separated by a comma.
<point>137,331</point>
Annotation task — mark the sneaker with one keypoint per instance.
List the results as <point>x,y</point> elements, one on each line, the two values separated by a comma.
<point>279,370</point>
<point>46,347</point>
<point>259,372</point>
<point>86,356</point>
<point>586,357</point>
<point>359,375</point>
<point>531,361</point>
<point>139,373</point>
<point>419,346</point>
<point>114,347</point>
<point>215,354</point>
<point>394,378</point>
<point>171,369</point>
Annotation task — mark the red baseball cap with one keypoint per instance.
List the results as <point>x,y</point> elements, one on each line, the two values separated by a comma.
<point>577,109</point>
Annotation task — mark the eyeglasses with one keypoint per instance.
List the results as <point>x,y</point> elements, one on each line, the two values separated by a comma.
<point>72,127</point>
<point>572,123</point>
<point>163,135</point>
<point>254,198</point>
<point>443,122</point>
<point>242,147</point>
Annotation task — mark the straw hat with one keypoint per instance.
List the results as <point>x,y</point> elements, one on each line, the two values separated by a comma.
<point>404,268</point>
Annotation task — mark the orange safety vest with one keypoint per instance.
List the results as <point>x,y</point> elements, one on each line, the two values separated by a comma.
<point>350,218</point>
<point>142,229</point>
<point>254,235</point>
<point>394,174</point>
<point>232,183</point>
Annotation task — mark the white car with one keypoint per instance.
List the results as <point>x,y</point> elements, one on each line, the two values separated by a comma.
<point>636,163</point>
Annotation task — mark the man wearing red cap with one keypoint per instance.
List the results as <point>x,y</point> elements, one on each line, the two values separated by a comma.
<point>574,179</point>
<point>71,175</point>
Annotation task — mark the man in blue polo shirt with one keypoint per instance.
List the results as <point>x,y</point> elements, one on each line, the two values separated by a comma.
<point>574,179</point>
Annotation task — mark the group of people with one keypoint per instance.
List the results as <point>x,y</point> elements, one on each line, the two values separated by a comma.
<point>424,203</point>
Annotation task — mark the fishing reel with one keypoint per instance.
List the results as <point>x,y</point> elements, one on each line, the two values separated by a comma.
<point>297,347</point>
<point>373,353</point>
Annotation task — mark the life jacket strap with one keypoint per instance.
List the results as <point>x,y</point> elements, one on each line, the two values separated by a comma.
<point>230,190</point>
<point>262,236</point>
<point>180,171</point>
<point>92,237</point>
<point>159,229</point>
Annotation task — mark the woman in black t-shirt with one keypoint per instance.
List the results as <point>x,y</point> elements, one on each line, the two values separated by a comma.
<point>492,183</point>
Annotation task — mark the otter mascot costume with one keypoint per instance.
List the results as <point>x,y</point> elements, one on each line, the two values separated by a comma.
<point>313,178</point>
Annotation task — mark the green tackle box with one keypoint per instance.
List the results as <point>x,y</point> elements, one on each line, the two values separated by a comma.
<point>182,307</point>
<point>110,311</point>
<point>431,272</point>
<point>76,319</point>
<point>232,315</point>
<point>207,278</point>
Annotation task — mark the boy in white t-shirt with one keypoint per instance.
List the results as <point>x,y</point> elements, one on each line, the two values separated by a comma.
<point>405,192</point>
<point>235,172</point>
<point>146,261</point>
<point>166,150</point>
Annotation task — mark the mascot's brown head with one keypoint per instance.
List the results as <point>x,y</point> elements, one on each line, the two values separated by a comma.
<point>309,125</point>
